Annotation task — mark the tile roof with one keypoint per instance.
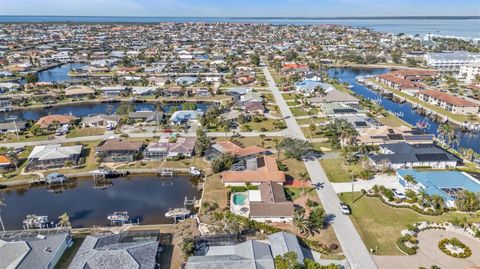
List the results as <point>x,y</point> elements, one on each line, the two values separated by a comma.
<point>450,99</point>
<point>266,171</point>
<point>119,145</point>
<point>45,122</point>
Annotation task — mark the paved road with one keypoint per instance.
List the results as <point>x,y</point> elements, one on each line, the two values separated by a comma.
<point>61,140</point>
<point>352,245</point>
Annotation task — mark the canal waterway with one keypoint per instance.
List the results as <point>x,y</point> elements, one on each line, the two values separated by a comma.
<point>58,73</point>
<point>146,198</point>
<point>85,109</point>
<point>405,110</point>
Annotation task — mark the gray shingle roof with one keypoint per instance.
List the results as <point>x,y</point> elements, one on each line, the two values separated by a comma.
<point>404,153</point>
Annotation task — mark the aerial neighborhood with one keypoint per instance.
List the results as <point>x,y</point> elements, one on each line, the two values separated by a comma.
<point>237,145</point>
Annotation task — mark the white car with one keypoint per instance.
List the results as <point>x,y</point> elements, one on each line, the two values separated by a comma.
<point>345,209</point>
<point>398,194</point>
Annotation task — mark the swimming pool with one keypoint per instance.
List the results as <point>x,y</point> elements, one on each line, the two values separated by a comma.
<point>239,198</point>
<point>443,183</point>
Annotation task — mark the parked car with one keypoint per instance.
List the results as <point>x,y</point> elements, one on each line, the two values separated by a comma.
<point>399,194</point>
<point>345,209</point>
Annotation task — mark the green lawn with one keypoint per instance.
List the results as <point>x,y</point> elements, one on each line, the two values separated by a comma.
<point>69,254</point>
<point>288,96</point>
<point>296,111</point>
<point>380,225</point>
<point>85,132</point>
<point>309,134</point>
<point>267,124</point>
<point>315,120</point>
<point>337,171</point>
<point>392,121</point>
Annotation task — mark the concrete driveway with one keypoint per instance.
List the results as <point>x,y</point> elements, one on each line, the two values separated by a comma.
<point>385,180</point>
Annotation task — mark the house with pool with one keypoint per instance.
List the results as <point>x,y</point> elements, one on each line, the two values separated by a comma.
<point>446,184</point>
<point>268,203</point>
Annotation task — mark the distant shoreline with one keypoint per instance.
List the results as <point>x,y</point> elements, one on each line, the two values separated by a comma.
<point>270,18</point>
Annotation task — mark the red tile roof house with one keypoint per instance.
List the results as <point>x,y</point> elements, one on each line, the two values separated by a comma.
<point>116,150</point>
<point>222,147</point>
<point>291,68</point>
<point>400,84</point>
<point>261,169</point>
<point>53,121</point>
<point>5,162</point>
<point>454,104</point>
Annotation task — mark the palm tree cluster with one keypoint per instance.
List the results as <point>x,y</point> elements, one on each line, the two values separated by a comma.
<point>309,225</point>
<point>446,134</point>
<point>340,132</point>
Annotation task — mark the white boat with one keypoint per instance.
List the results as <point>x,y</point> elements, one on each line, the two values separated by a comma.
<point>119,217</point>
<point>194,171</point>
<point>177,213</point>
<point>35,222</point>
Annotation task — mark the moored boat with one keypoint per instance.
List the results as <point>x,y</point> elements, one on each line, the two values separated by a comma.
<point>119,217</point>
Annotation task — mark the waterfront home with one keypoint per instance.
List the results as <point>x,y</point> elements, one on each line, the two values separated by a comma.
<point>112,92</point>
<point>333,96</point>
<point>79,91</point>
<point>226,146</point>
<point>449,102</point>
<point>33,249</point>
<point>267,204</point>
<point>9,87</point>
<point>116,150</point>
<point>5,162</point>
<point>251,254</point>
<point>129,249</point>
<point>54,121</point>
<point>202,92</point>
<point>186,80</point>
<point>182,146</point>
<point>254,171</point>
<point>143,91</point>
<point>446,184</point>
<point>5,103</point>
<point>309,87</point>
<point>402,154</point>
<point>185,116</point>
<point>335,109</point>
<point>108,122</point>
<point>390,135</point>
<point>146,116</point>
<point>12,127</point>
<point>53,156</point>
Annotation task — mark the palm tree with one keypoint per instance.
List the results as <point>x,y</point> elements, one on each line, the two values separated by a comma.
<point>64,220</point>
<point>304,177</point>
<point>2,203</point>
<point>446,133</point>
<point>300,222</point>
<point>35,130</point>
<point>277,147</point>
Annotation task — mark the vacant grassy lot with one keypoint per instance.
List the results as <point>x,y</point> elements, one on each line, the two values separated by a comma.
<point>288,96</point>
<point>85,132</point>
<point>380,225</point>
<point>214,190</point>
<point>263,126</point>
<point>338,171</point>
<point>315,120</point>
<point>393,121</point>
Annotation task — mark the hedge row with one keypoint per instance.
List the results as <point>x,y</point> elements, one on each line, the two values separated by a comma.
<point>401,244</point>
<point>413,207</point>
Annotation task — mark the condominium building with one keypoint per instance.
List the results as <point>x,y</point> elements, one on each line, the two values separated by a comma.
<point>454,104</point>
<point>451,61</point>
<point>470,71</point>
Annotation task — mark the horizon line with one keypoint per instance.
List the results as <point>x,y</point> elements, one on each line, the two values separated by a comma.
<point>268,17</point>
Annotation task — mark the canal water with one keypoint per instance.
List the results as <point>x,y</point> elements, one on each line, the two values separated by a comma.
<point>405,110</point>
<point>85,109</point>
<point>146,198</point>
<point>58,73</point>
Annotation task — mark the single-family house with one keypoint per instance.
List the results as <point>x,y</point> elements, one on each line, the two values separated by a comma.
<point>41,248</point>
<point>79,91</point>
<point>226,146</point>
<point>108,122</point>
<point>128,249</point>
<point>146,116</point>
<point>116,150</point>
<point>403,155</point>
<point>257,170</point>
<point>185,116</point>
<point>54,121</point>
<point>53,156</point>
<point>5,162</point>
<point>112,92</point>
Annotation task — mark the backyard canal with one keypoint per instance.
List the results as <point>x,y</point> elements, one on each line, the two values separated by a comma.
<point>146,198</point>
<point>405,111</point>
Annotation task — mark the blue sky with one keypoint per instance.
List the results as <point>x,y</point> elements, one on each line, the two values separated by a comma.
<point>241,8</point>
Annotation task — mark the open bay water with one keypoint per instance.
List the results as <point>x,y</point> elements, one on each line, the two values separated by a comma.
<point>464,27</point>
